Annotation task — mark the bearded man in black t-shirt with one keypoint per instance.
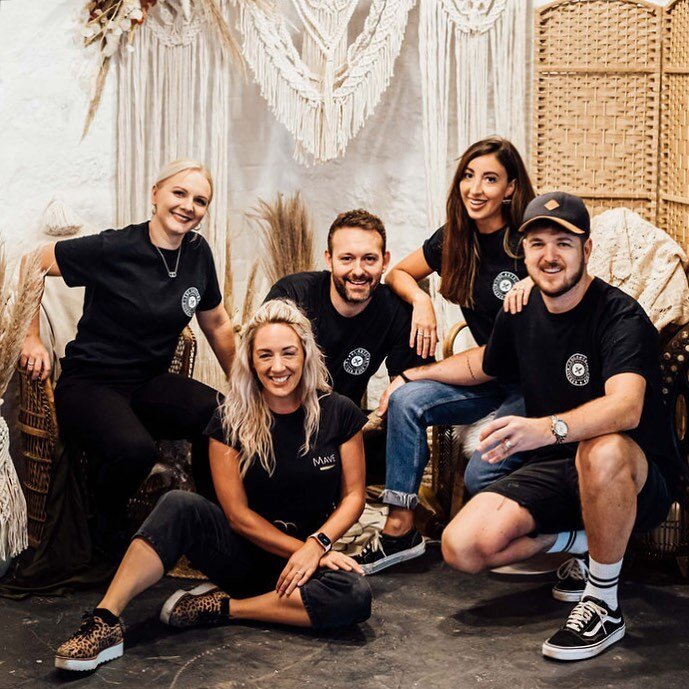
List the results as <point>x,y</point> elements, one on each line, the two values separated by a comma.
<point>597,439</point>
<point>358,322</point>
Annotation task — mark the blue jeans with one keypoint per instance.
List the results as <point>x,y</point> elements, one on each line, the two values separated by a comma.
<point>419,404</point>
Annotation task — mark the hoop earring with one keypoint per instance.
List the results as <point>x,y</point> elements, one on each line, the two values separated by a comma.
<point>507,201</point>
<point>198,228</point>
<point>154,209</point>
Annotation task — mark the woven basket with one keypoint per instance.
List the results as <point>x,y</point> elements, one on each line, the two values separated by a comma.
<point>673,210</point>
<point>596,102</point>
<point>39,432</point>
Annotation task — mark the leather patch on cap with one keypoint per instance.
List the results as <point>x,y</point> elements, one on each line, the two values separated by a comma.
<point>551,205</point>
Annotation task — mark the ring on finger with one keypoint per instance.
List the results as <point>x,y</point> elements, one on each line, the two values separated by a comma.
<point>507,443</point>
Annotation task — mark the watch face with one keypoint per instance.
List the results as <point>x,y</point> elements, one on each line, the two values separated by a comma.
<point>323,539</point>
<point>561,428</point>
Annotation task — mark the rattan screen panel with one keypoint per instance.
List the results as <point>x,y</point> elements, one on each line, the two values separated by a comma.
<point>596,102</point>
<point>673,211</point>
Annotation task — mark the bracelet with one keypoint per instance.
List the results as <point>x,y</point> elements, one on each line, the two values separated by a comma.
<point>404,377</point>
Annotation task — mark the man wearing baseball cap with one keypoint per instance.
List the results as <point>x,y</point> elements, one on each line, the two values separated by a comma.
<point>600,457</point>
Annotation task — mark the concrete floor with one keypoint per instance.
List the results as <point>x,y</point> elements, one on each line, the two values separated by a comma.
<point>431,627</point>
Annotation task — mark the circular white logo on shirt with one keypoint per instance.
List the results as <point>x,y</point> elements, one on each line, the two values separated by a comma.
<point>357,361</point>
<point>503,283</point>
<point>577,370</point>
<point>190,300</point>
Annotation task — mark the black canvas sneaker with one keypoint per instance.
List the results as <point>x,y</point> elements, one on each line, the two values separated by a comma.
<point>205,604</point>
<point>384,551</point>
<point>572,576</point>
<point>590,628</point>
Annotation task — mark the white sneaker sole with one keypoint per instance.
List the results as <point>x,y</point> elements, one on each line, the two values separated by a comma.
<point>567,596</point>
<point>85,664</point>
<point>172,601</point>
<point>395,559</point>
<point>582,652</point>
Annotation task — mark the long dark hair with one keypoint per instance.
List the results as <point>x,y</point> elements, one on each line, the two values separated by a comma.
<point>460,247</point>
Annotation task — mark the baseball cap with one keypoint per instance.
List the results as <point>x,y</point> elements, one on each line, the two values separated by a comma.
<point>560,208</point>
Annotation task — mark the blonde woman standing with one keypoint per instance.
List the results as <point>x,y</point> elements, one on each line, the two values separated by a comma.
<point>288,467</point>
<point>114,397</point>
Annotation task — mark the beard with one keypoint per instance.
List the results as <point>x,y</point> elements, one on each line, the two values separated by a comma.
<point>342,290</point>
<point>553,293</point>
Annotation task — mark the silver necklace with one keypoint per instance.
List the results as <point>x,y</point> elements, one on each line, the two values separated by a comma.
<point>170,273</point>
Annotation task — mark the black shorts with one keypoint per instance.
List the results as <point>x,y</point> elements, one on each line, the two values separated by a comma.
<point>549,489</point>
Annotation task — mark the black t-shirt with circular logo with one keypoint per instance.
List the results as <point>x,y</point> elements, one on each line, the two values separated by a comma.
<point>497,273</point>
<point>564,360</point>
<point>133,310</point>
<point>354,347</point>
<point>303,490</point>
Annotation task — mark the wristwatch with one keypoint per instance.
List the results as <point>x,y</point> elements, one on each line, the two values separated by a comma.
<point>559,429</point>
<point>323,540</point>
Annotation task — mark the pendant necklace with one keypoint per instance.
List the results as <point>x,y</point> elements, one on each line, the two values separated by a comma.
<point>170,273</point>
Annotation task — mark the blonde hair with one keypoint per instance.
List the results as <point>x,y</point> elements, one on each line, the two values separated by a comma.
<point>181,165</point>
<point>246,418</point>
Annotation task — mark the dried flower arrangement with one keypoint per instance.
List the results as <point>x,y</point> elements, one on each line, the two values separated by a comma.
<point>112,23</point>
<point>286,232</point>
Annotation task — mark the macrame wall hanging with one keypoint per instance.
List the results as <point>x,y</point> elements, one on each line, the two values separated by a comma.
<point>325,93</point>
<point>476,50</point>
<point>487,39</point>
<point>174,101</point>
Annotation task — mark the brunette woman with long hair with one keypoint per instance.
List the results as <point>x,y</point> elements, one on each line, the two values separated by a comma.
<point>288,468</point>
<point>477,255</point>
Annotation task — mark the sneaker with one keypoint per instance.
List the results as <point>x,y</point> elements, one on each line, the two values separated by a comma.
<point>590,628</point>
<point>95,642</point>
<point>383,551</point>
<point>572,576</point>
<point>205,604</point>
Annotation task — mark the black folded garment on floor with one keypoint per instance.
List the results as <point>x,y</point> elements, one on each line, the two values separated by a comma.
<point>66,559</point>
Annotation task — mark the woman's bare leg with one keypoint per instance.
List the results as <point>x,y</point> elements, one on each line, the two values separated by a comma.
<point>269,607</point>
<point>140,568</point>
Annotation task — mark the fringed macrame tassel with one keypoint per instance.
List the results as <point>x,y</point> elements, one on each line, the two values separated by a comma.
<point>59,220</point>
<point>13,517</point>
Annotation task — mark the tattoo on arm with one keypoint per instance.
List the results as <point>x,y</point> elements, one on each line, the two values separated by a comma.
<point>471,372</point>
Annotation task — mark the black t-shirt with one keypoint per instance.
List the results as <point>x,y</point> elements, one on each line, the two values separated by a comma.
<point>303,490</point>
<point>133,311</point>
<point>564,360</point>
<point>496,275</point>
<point>354,347</point>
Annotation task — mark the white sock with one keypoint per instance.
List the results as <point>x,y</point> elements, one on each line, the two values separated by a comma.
<point>570,542</point>
<point>602,582</point>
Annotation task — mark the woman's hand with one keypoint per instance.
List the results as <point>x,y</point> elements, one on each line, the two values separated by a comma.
<point>337,560</point>
<point>300,567</point>
<point>35,358</point>
<point>517,298</point>
<point>423,335</point>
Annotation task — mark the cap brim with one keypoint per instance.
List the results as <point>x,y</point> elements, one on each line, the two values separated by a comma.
<point>558,221</point>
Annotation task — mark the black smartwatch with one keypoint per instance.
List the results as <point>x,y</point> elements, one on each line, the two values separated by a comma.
<point>323,540</point>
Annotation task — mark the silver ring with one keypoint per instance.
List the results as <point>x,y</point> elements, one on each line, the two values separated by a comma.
<point>30,364</point>
<point>508,444</point>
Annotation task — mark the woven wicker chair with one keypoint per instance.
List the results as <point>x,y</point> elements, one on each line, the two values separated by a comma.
<point>39,432</point>
<point>670,540</point>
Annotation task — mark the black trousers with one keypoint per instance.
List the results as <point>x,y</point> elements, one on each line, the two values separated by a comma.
<point>187,524</point>
<point>118,420</point>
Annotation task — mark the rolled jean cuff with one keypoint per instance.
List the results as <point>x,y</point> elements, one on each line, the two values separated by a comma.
<point>399,499</point>
<point>160,552</point>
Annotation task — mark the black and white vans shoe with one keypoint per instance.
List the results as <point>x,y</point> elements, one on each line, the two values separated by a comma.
<point>572,576</point>
<point>384,551</point>
<point>590,628</point>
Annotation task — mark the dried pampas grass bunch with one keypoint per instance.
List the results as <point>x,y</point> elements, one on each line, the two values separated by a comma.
<point>59,220</point>
<point>17,308</point>
<point>286,232</point>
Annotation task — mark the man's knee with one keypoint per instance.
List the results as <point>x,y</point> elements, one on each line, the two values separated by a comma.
<point>605,459</point>
<point>463,551</point>
<point>403,402</point>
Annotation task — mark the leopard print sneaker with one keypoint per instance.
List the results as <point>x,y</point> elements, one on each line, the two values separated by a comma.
<point>204,605</point>
<point>95,642</point>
